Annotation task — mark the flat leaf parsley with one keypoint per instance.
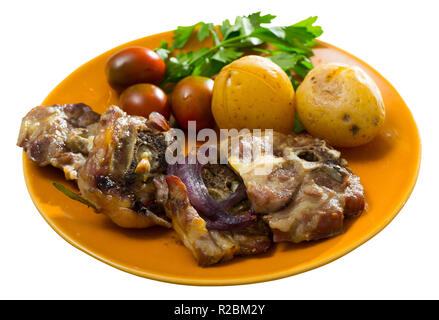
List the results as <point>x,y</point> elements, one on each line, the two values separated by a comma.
<point>290,47</point>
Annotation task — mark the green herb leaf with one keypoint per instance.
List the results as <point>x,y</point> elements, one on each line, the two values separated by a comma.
<point>215,35</point>
<point>300,70</point>
<point>182,35</point>
<point>164,45</point>
<point>227,55</point>
<point>225,28</point>
<point>195,56</point>
<point>308,23</point>
<point>292,46</point>
<point>203,31</point>
<point>176,69</point>
<point>275,36</point>
<point>307,63</point>
<point>246,26</point>
<point>207,67</point>
<point>297,126</point>
<point>295,35</point>
<point>73,195</point>
<point>287,61</point>
<point>163,51</point>
<point>257,19</point>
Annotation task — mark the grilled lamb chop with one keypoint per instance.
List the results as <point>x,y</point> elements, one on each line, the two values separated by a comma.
<point>59,135</point>
<point>117,177</point>
<point>304,190</point>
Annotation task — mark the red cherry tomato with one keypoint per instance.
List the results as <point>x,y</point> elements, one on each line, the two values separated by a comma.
<point>191,99</point>
<point>143,98</point>
<point>134,65</point>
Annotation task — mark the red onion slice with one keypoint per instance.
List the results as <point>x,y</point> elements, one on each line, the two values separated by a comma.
<point>213,211</point>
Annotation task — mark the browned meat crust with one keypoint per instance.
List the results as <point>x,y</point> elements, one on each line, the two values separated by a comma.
<point>210,246</point>
<point>128,153</point>
<point>220,180</point>
<point>59,135</point>
<point>306,191</point>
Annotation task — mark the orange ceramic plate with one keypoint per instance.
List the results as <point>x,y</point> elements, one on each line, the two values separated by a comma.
<point>388,168</point>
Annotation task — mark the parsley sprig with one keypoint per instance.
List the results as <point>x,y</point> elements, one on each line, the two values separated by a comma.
<point>290,47</point>
<point>72,195</point>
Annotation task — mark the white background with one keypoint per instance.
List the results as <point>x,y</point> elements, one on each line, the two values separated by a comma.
<point>43,41</point>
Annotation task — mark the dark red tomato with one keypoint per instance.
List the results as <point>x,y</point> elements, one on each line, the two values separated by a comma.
<point>143,98</point>
<point>134,65</point>
<point>191,99</point>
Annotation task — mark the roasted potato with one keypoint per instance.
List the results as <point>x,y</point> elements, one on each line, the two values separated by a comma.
<point>340,104</point>
<point>253,92</point>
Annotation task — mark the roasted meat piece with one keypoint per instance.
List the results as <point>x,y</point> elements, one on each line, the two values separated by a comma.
<point>59,135</point>
<point>127,155</point>
<point>210,246</point>
<point>295,189</point>
<point>304,189</point>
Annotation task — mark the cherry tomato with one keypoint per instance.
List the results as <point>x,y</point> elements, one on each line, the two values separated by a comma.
<point>134,65</point>
<point>190,101</point>
<point>143,98</point>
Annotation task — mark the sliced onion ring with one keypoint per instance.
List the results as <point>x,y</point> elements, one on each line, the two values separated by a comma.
<point>213,211</point>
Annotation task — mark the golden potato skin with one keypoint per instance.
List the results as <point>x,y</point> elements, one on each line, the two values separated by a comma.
<point>340,104</point>
<point>253,92</point>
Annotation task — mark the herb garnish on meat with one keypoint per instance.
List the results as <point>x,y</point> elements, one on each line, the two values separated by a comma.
<point>73,195</point>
